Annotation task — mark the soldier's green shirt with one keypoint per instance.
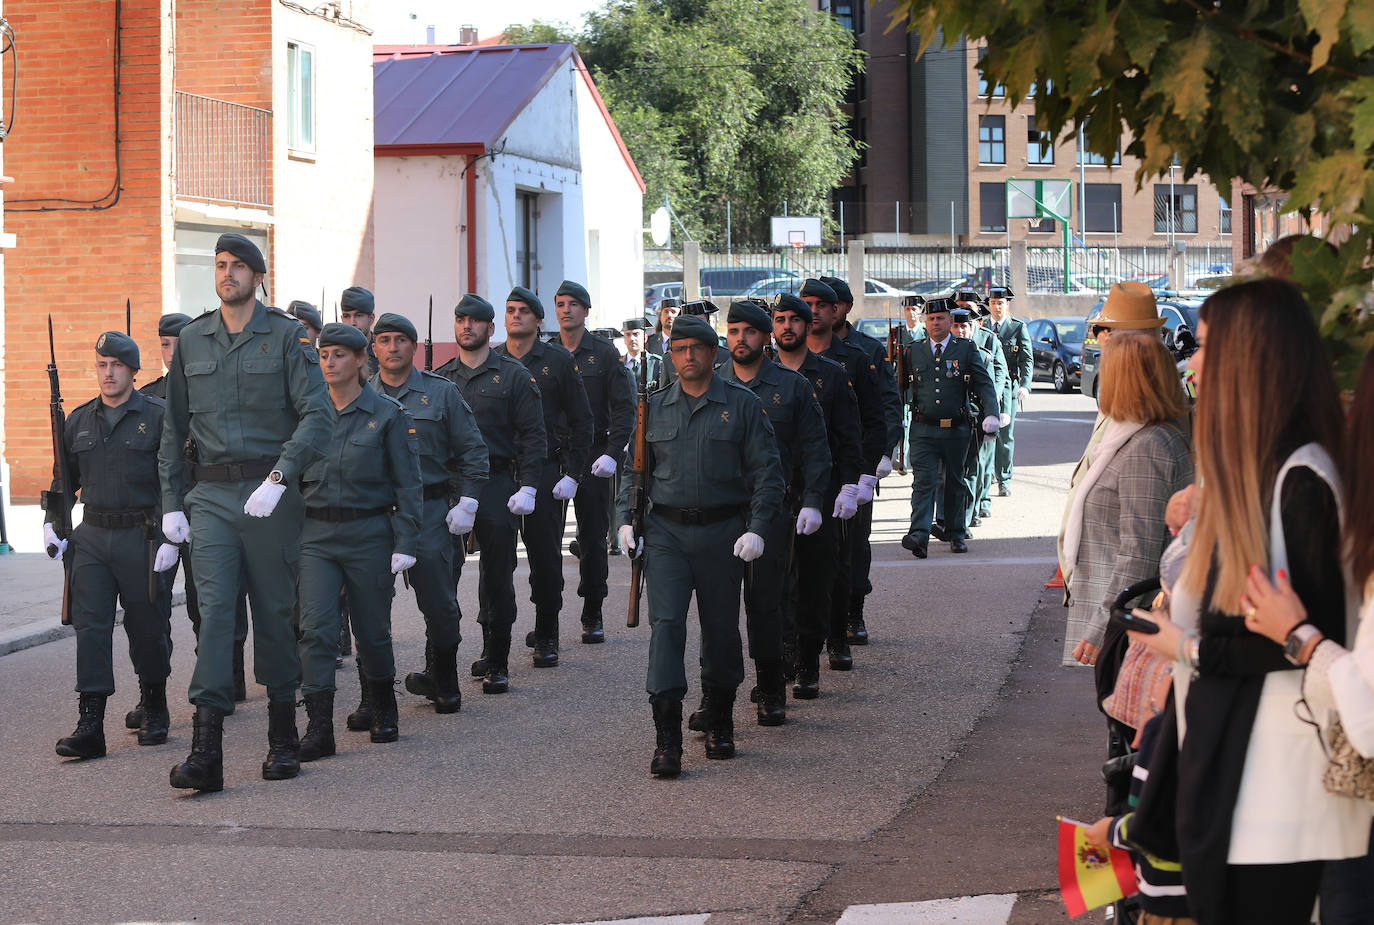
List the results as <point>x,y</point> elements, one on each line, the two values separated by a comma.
<point>370,462</point>
<point>712,451</point>
<point>449,443</point>
<point>996,362</point>
<point>252,396</point>
<point>942,389</point>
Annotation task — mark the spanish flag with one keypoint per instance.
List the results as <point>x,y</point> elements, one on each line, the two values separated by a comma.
<point>1088,880</point>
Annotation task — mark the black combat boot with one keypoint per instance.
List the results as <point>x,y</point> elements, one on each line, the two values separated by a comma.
<point>447,697</point>
<point>546,652</point>
<point>841,659</point>
<point>497,680</point>
<point>593,631</point>
<point>283,746</point>
<point>203,769</point>
<point>240,684</point>
<point>667,760</point>
<point>808,683</point>
<point>361,718</point>
<point>772,710</point>
<point>858,630</point>
<point>88,739</point>
<point>134,718</point>
<point>479,667</point>
<point>318,741</point>
<point>699,720</point>
<point>384,721</point>
<point>720,736</point>
<point>419,683</point>
<point>153,729</point>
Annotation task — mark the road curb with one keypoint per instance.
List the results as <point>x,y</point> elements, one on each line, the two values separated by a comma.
<point>43,631</point>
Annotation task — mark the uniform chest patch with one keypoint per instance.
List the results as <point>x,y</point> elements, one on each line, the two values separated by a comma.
<point>546,371</point>
<point>142,427</point>
<point>424,399</point>
<point>371,425</point>
<point>725,416</point>
<point>591,360</point>
<point>263,348</point>
<point>777,398</point>
<point>496,378</point>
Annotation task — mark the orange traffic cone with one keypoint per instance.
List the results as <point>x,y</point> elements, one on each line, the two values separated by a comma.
<point>1058,580</point>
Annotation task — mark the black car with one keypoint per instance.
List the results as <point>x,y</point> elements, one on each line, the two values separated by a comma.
<point>1179,335</point>
<point>1057,349</point>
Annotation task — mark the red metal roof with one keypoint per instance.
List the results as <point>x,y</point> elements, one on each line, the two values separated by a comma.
<point>452,96</point>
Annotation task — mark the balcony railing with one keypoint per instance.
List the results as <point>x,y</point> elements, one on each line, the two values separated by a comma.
<point>223,151</point>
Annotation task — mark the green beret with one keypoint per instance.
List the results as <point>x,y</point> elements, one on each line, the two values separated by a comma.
<point>787,302</point>
<point>936,306</point>
<point>521,294</point>
<point>748,313</point>
<point>338,334</point>
<point>120,346</point>
<point>171,325</point>
<point>243,249</point>
<point>306,314</point>
<point>842,291</point>
<point>694,327</point>
<point>474,306</point>
<point>819,290</point>
<point>961,315</point>
<point>357,299</point>
<point>634,324</point>
<point>576,290</point>
<point>392,323</point>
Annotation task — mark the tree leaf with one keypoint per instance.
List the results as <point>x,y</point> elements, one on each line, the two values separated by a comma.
<point>1324,18</point>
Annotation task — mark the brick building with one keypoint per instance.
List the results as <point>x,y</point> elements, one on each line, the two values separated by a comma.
<point>144,129</point>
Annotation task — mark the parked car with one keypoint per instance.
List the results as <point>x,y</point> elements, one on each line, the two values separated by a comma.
<point>657,293</point>
<point>1179,335</point>
<point>731,281</point>
<point>767,288</point>
<point>933,287</point>
<point>1057,350</point>
<point>876,328</point>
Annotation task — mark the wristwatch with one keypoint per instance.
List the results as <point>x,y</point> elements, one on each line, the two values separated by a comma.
<point>1303,638</point>
<point>275,476</point>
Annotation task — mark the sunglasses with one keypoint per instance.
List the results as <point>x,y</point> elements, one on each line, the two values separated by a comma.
<point>1097,329</point>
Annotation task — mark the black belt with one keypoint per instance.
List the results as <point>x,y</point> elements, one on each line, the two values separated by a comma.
<point>233,472</point>
<point>696,516</point>
<point>937,422</point>
<point>345,514</point>
<point>118,520</point>
<point>437,490</point>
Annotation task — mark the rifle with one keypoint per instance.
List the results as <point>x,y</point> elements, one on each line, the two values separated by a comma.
<point>59,502</point>
<point>429,338</point>
<point>896,353</point>
<point>128,318</point>
<point>639,489</point>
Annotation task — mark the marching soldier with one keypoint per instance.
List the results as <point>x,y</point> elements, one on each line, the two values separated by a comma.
<point>635,353</point>
<point>996,362</point>
<point>816,555</point>
<point>657,342</point>
<point>789,402</point>
<point>1016,347</point>
<point>168,329</point>
<point>713,485</point>
<point>510,414</point>
<point>362,517</point>
<point>945,372</point>
<point>358,308</point>
<point>568,432</point>
<point>245,385</point>
<point>611,394</point>
<point>110,444</point>
<point>706,310</point>
<point>453,472</point>
<point>309,316</point>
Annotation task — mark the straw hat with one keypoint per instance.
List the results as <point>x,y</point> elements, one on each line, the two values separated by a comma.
<point>1130,306</point>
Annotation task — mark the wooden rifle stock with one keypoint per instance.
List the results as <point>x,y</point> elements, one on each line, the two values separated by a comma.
<point>639,488</point>
<point>58,502</point>
<point>896,352</point>
<point>429,342</point>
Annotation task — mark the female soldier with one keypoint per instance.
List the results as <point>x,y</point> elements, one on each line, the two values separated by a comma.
<point>362,504</point>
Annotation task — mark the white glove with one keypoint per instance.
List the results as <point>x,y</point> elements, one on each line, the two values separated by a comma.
<point>565,489</point>
<point>808,521</point>
<point>846,502</point>
<point>1004,419</point>
<point>263,501</point>
<point>603,467</point>
<point>399,563</point>
<point>884,467</point>
<point>52,544</point>
<point>990,424</point>
<point>634,546</point>
<point>166,557</point>
<point>749,547</point>
<point>176,527</point>
<point>522,502</point>
<point>866,485</point>
<point>461,516</point>
<point>1022,393</point>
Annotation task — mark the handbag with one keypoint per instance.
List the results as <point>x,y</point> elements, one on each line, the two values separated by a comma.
<point>1348,773</point>
<point>1141,672</point>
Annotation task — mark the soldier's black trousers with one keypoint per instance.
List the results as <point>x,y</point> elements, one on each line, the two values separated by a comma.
<point>542,533</point>
<point>109,565</point>
<point>816,561</point>
<point>861,560</point>
<point>433,575</point>
<point>495,529</point>
<point>593,529</point>
<point>765,584</point>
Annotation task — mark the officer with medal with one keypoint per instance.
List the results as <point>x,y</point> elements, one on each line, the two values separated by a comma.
<point>568,427</point>
<point>362,518</point>
<point>110,444</point>
<point>977,465</point>
<point>798,425</point>
<point>309,316</point>
<point>714,486</point>
<point>358,308</point>
<point>510,414</point>
<point>1016,347</point>
<point>453,472</point>
<point>612,397</point>
<point>815,556</point>
<point>944,373</point>
<point>245,384</point>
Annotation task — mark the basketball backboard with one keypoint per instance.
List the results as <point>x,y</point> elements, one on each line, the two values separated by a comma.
<point>796,230</point>
<point>1040,199</point>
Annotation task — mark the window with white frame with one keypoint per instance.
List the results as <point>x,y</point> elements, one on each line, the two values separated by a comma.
<point>300,97</point>
<point>1039,145</point>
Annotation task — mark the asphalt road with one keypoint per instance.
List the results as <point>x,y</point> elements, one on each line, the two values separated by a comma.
<point>930,772</point>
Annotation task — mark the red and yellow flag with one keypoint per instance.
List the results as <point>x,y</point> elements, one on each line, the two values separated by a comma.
<point>1088,880</point>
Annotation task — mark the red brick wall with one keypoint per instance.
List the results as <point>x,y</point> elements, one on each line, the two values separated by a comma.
<point>79,265</point>
<point>225,52</point>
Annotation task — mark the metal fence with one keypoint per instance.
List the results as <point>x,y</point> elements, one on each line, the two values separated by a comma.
<point>223,151</point>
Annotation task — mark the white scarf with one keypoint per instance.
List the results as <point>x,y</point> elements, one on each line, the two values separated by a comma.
<point>1118,432</point>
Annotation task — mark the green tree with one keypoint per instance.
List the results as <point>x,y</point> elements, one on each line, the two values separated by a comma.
<point>1279,93</point>
<point>539,32</point>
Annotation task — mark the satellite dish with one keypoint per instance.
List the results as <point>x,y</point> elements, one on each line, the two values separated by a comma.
<point>658,226</point>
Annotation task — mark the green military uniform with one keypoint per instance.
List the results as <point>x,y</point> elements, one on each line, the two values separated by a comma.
<point>996,362</point>
<point>942,377</point>
<point>1016,347</point>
